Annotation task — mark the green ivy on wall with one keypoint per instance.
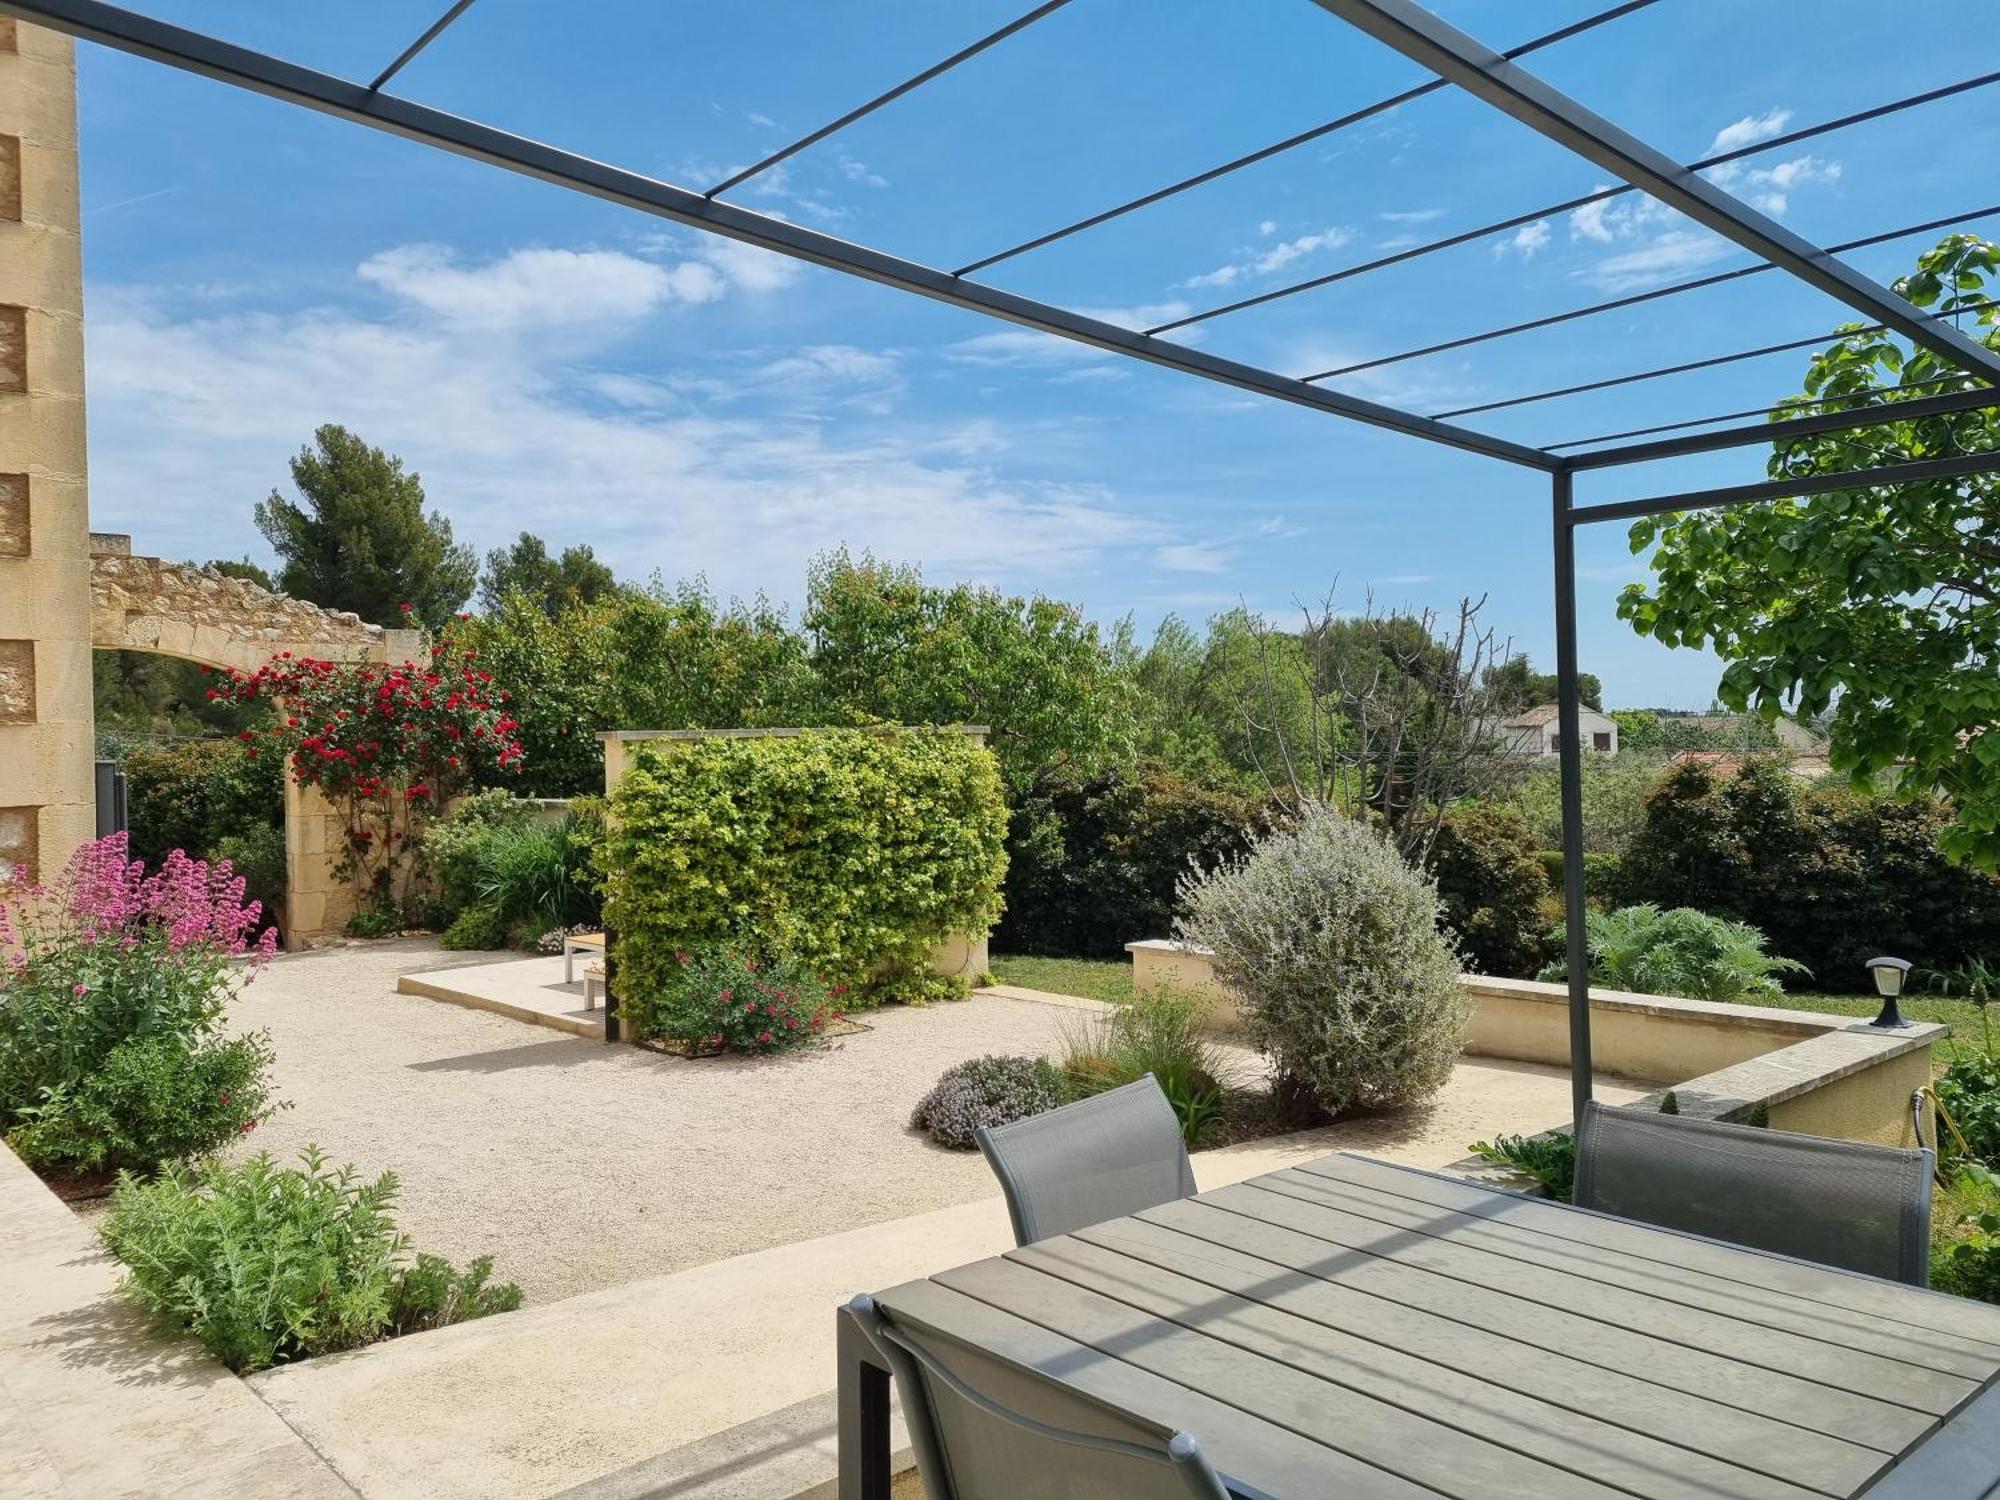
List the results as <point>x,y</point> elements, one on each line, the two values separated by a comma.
<point>854,852</point>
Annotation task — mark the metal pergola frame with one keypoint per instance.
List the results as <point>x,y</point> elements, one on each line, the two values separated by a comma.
<point>1454,59</point>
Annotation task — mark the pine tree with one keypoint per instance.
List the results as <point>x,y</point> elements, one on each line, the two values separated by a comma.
<point>359,538</point>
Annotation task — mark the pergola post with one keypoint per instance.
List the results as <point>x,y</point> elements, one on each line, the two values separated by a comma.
<point>1569,754</point>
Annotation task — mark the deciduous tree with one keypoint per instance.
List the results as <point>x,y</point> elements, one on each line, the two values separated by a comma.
<point>1884,602</point>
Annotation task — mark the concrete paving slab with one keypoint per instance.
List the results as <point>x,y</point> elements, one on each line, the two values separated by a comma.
<point>522,989</point>
<point>96,1405</point>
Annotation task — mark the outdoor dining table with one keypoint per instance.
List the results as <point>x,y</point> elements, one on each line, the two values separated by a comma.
<point>1351,1329</point>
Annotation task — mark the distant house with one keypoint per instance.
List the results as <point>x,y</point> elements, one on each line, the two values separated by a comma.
<point>1792,736</point>
<point>1537,732</point>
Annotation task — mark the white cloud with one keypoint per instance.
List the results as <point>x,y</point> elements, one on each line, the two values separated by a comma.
<point>1748,131</point>
<point>747,266</point>
<point>772,186</point>
<point>1594,222</point>
<point>1664,244</point>
<point>541,288</point>
<point>1663,258</point>
<point>1770,188</point>
<point>1191,557</point>
<point>839,362</point>
<point>1622,218</point>
<point>1028,347</point>
<point>194,417</point>
<point>1267,227</point>
<point>1280,255</point>
<point>1415,216</point>
<point>538,288</point>
<point>1527,242</point>
<point>861,172</point>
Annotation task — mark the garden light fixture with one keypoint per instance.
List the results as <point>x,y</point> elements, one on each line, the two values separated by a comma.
<point>1890,975</point>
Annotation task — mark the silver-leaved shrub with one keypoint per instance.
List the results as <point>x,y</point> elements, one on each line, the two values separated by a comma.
<point>1333,944</point>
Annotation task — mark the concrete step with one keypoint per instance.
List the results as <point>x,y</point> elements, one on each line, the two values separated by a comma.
<point>525,989</point>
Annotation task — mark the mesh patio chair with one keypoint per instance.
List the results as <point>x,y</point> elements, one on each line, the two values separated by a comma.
<point>1842,1203</point>
<point>1100,1158</point>
<point>985,1428</point>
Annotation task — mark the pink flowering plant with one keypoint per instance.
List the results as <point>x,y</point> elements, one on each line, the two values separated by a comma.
<point>114,984</point>
<point>725,999</point>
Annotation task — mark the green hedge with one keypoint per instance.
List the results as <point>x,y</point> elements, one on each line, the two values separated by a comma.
<point>216,800</point>
<point>854,852</point>
<point>1601,875</point>
<point>1492,890</point>
<point>1093,862</point>
<point>191,794</point>
<point>1833,876</point>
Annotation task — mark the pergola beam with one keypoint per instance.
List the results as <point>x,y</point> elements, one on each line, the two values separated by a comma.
<point>408,54</point>
<point>1783,489</point>
<point>197,52</point>
<point>1710,362</point>
<point>1850,420</point>
<point>1508,87</point>
<point>888,96</point>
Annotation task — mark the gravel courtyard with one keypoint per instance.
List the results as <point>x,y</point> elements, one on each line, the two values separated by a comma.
<point>578,1165</point>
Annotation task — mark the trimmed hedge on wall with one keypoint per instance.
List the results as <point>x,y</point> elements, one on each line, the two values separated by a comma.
<point>853,852</point>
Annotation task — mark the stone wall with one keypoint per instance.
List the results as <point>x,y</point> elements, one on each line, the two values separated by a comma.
<point>1816,1074</point>
<point>317,901</point>
<point>46,791</point>
<point>178,609</point>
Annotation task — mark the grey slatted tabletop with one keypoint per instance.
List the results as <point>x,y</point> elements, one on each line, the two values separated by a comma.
<point>1356,1329</point>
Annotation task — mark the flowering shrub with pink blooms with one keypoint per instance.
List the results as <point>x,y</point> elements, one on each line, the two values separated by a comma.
<point>389,744</point>
<point>114,982</point>
<point>725,1000</point>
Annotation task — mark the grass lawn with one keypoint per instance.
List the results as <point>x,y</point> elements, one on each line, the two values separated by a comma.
<point>1962,1016</point>
<point>1111,979</point>
<point>1093,978</point>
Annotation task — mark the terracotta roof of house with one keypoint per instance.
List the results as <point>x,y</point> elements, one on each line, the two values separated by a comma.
<point>1533,718</point>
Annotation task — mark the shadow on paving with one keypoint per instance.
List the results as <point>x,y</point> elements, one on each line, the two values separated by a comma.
<point>560,1052</point>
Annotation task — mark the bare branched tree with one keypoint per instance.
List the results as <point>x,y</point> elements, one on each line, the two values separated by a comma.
<point>1384,714</point>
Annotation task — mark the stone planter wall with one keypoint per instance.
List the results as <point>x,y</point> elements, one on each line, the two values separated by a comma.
<point>1816,1074</point>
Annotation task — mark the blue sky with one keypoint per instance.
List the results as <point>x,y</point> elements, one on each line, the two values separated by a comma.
<point>683,404</point>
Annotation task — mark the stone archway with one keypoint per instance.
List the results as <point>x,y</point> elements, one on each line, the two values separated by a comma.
<point>178,609</point>
<point>197,614</point>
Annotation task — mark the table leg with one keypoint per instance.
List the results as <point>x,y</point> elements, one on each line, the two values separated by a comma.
<point>864,1414</point>
<point>569,964</point>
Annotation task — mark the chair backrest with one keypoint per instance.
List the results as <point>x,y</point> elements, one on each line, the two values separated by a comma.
<point>1842,1203</point>
<point>985,1428</point>
<point>1099,1158</point>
